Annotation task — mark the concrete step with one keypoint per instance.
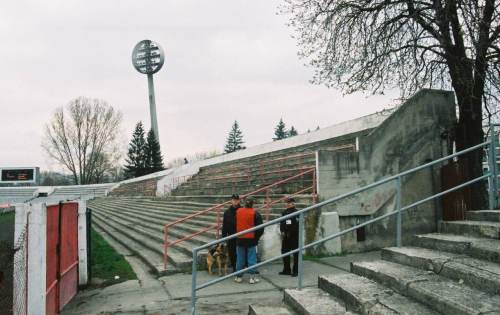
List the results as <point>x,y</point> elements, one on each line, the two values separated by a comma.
<point>471,228</point>
<point>480,248</point>
<point>483,215</point>
<point>268,310</point>
<point>177,231</point>
<point>177,209</point>
<point>177,260</point>
<point>151,258</point>
<point>479,274</point>
<point>313,301</point>
<point>157,234</point>
<point>368,297</point>
<point>441,294</point>
<point>159,220</point>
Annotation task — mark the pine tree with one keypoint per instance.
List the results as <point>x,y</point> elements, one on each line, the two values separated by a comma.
<point>136,156</point>
<point>280,131</point>
<point>154,160</point>
<point>235,139</point>
<point>292,132</point>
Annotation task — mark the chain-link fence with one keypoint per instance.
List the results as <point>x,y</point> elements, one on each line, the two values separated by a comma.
<point>13,268</point>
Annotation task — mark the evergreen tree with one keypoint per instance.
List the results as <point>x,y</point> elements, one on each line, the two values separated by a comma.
<point>280,131</point>
<point>136,156</point>
<point>292,132</point>
<point>154,160</point>
<point>235,139</point>
<point>317,128</point>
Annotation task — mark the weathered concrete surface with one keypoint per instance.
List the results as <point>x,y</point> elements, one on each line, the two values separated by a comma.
<point>311,272</point>
<point>329,224</point>
<point>483,215</point>
<point>268,310</point>
<point>368,297</point>
<point>487,249</point>
<point>480,274</point>
<point>443,295</point>
<point>344,262</point>
<point>471,228</point>
<point>411,136</point>
<point>313,301</point>
<point>171,294</point>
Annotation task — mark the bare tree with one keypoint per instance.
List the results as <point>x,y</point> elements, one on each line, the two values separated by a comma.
<point>83,138</point>
<point>408,44</point>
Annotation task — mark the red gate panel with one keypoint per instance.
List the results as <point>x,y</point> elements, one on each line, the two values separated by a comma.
<point>62,255</point>
<point>69,253</point>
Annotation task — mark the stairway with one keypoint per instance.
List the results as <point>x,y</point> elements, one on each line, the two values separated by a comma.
<point>138,224</point>
<point>456,271</point>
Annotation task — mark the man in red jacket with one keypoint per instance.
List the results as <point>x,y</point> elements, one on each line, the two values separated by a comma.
<point>246,244</point>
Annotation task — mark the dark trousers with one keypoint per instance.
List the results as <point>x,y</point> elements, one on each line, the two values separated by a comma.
<point>288,244</point>
<point>231,249</point>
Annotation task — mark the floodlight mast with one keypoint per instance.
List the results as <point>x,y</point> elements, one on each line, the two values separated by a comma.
<point>148,58</point>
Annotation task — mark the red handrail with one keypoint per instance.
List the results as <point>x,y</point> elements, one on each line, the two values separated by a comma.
<point>219,206</point>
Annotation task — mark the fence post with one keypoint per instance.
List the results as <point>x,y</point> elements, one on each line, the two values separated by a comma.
<point>301,245</point>
<point>398,207</point>
<point>194,274</point>
<point>493,169</point>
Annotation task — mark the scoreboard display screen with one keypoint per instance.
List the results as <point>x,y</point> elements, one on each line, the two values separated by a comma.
<point>18,175</point>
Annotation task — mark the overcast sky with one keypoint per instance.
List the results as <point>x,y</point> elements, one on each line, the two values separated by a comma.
<point>225,60</point>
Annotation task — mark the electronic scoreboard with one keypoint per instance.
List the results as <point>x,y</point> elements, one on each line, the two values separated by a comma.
<point>19,175</point>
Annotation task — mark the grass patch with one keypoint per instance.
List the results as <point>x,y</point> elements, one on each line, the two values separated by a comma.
<point>319,257</point>
<point>106,263</point>
<point>8,217</point>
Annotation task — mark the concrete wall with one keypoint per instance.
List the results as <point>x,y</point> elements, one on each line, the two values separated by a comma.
<point>410,137</point>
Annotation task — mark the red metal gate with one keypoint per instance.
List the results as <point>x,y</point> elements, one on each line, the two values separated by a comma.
<point>62,255</point>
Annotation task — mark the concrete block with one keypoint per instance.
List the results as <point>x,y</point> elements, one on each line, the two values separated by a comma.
<point>312,301</point>
<point>329,224</point>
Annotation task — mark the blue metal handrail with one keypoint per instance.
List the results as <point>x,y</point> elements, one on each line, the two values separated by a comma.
<point>490,175</point>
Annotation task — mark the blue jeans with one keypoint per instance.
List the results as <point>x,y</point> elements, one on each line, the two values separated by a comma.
<point>246,255</point>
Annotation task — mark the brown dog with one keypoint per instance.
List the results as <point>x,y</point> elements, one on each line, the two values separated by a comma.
<point>218,254</point>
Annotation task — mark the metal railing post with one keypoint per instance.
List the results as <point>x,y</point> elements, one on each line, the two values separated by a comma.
<point>165,248</point>
<point>193,282</point>
<point>493,169</point>
<point>301,246</point>
<point>218,223</point>
<point>398,207</point>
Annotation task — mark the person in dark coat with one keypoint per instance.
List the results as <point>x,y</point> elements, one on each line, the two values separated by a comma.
<point>229,228</point>
<point>290,239</point>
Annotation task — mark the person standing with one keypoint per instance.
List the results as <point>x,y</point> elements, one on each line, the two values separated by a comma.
<point>246,244</point>
<point>289,229</point>
<point>229,228</point>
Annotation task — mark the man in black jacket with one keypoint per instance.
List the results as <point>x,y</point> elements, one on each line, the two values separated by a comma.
<point>229,228</point>
<point>290,239</point>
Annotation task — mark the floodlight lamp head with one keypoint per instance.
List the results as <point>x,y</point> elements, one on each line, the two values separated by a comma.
<point>147,57</point>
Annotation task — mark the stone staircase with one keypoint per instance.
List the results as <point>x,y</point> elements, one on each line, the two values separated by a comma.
<point>456,271</point>
<point>138,224</point>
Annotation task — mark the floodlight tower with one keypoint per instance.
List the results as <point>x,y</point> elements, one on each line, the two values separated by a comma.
<point>148,58</point>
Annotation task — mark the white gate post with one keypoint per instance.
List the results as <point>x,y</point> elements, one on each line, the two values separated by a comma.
<point>82,243</point>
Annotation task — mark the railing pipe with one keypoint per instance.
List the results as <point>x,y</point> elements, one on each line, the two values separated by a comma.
<point>301,252</point>
<point>398,209</point>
